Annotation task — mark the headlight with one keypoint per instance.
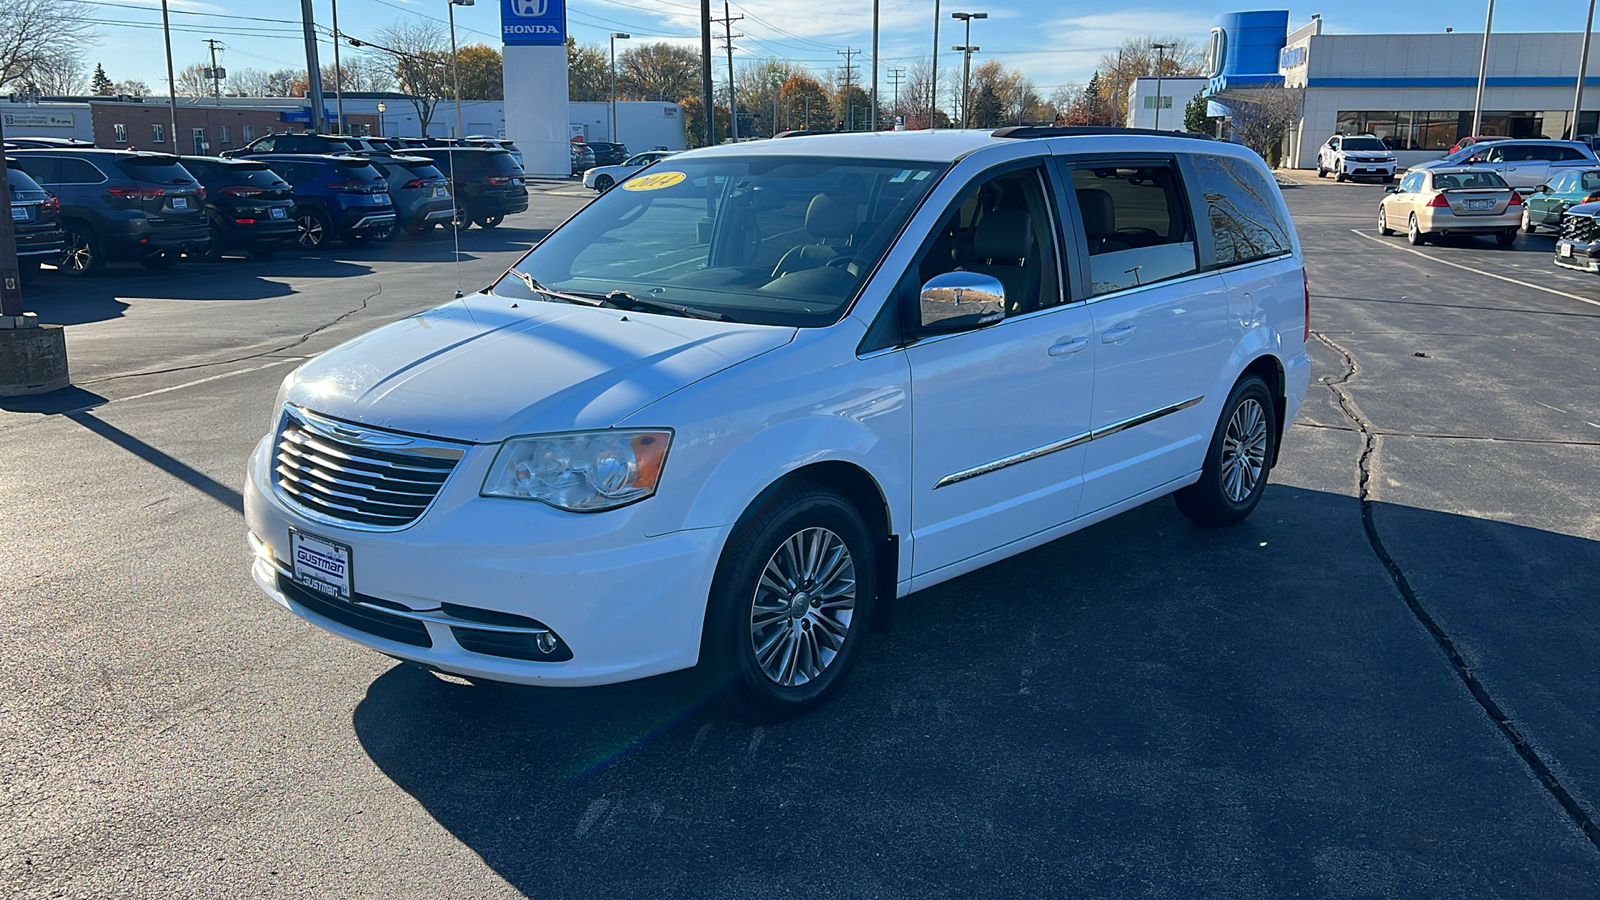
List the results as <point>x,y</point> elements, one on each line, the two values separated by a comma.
<point>582,472</point>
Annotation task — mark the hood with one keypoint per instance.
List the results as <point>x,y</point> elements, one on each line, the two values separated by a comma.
<point>1583,209</point>
<point>482,369</point>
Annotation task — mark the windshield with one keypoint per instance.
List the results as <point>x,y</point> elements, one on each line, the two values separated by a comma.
<point>1363,143</point>
<point>761,239</point>
<point>23,187</point>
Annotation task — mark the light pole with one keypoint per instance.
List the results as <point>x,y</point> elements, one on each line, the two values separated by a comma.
<point>614,36</point>
<point>933,80</point>
<point>1483,73</point>
<point>1161,63</point>
<point>338,72</point>
<point>381,108</point>
<point>172,85</point>
<point>966,62</point>
<point>1583,70</point>
<point>455,71</point>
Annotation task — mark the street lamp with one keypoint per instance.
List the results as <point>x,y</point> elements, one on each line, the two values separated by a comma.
<point>455,71</point>
<point>381,108</point>
<point>614,35</point>
<point>1161,63</point>
<point>966,62</point>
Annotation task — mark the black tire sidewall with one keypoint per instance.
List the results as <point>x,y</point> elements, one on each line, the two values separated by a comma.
<point>1205,501</point>
<point>726,650</point>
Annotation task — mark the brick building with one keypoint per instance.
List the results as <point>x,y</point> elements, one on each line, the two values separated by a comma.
<point>202,129</point>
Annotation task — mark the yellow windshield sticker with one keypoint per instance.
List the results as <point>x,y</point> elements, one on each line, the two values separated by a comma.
<point>654,181</point>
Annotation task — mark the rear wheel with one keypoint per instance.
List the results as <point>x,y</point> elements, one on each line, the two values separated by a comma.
<point>1414,235</point>
<point>212,252</point>
<point>790,605</point>
<point>1235,472</point>
<point>160,259</point>
<point>84,254</point>
<point>460,221</point>
<point>312,230</point>
<point>603,183</point>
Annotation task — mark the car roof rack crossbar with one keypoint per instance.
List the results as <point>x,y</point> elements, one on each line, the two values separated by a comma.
<point>1048,131</point>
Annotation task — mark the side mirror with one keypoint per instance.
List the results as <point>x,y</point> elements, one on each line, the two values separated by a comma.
<point>1542,189</point>
<point>1392,189</point>
<point>958,301</point>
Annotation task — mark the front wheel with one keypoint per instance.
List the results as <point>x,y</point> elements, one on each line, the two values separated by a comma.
<point>1414,235</point>
<point>1527,221</point>
<point>791,603</point>
<point>1235,472</point>
<point>604,183</point>
<point>1383,222</point>
<point>1340,176</point>
<point>1321,172</point>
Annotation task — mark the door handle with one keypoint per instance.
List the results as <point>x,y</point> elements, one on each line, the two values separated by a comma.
<point>1117,335</point>
<point>1067,346</point>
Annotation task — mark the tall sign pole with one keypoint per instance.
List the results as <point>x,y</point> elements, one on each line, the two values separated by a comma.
<point>172,84</point>
<point>319,123</point>
<point>874,66</point>
<point>1583,71</point>
<point>1483,74</point>
<point>933,86</point>
<point>706,99</point>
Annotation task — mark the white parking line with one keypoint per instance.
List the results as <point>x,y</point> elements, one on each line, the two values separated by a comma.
<point>1527,284</point>
<point>199,381</point>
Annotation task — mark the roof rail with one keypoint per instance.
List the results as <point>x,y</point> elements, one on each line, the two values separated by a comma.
<point>800,132</point>
<point>1046,131</point>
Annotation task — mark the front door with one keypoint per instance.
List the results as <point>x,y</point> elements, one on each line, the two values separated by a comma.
<point>1000,415</point>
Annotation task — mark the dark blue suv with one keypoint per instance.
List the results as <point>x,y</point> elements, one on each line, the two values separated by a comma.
<point>343,197</point>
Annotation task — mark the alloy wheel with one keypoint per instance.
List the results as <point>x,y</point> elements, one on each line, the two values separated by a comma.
<point>79,255</point>
<point>1244,450</point>
<point>803,604</point>
<point>309,231</point>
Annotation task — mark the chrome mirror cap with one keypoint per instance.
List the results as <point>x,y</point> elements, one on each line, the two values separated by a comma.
<point>956,301</point>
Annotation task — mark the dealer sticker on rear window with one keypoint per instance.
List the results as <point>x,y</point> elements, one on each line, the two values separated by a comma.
<point>655,181</point>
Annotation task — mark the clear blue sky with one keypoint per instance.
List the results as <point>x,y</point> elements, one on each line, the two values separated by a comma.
<point>1053,43</point>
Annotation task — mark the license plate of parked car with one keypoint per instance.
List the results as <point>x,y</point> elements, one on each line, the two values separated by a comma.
<point>1480,204</point>
<point>19,213</point>
<point>440,191</point>
<point>1566,250</point>
<point>180,202</point>
<point>278,212</point>
<point>321,565</point>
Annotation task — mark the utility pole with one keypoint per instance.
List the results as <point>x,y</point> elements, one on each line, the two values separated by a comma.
<point>933,80</point>
<point>1483,73</point>
<point>318,122</point>
<point>705,73</point>
<point>875,120</point>
<point>1583,70</point>
<point>727,20</point>
<point>216,73</point>
<point>10,274</point>
<point>172,83</point>
<point>338,72</point>
<point>895,74</point>
<point>849,53</point>
<point>1161,64</point>
<point>1116,93</point>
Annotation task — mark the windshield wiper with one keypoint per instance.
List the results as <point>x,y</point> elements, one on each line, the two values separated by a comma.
<point>625,300</point>
<point>553,294</point>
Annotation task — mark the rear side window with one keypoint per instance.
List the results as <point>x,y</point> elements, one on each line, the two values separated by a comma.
<point>1135,223</point>
<point>81,171</point>
<point>358,170</point>
<point>154,170</point>
<point>1571,154</point>
<point>1591,181</point>
<point>44,169</point>
<point>1241,206</point>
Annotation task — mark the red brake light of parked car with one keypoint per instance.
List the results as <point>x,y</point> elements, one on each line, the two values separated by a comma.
<point>498,179</point>
<point>243,190</point>
<point>135,193</point>
<point>1438,202</point>
<point>1592,197</point>
<point>1516,199</point>
<point>202,192</point>
<point>415,183</point>
<point>54,203</point>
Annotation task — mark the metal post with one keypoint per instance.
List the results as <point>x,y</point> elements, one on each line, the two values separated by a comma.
<point>319,117</point>
<point>338,72</point>
<point>933,85</point>
<point>614,36</point>
<point>1583,71</point>
<point>455,71</point>
<point>216,79</point>
<point>1161,64</point>
<point>1116,91</point>
<point>874,66</point>
<point>708,101</point>
<point>381,108</point>
<point>172,83</point>
<point>966,63</point>
<point>10,276</point>
<point>733,98</point>
<point>1483,74</point>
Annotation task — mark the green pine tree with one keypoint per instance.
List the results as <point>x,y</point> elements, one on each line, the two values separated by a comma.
<point>1194,115</point>
<point>101,84</point>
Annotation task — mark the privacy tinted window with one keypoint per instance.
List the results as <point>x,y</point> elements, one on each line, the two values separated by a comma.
<point>77,171</point>
<point>43,169</point>
<point>1242,209</point>
<point>1135,224</point>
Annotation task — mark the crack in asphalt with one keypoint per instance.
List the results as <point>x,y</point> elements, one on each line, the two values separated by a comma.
<point>1446,437</point>
<point>222,362</point>
<point>1530,756</point>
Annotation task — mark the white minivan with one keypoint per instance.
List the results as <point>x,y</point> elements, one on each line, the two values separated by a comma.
<point>731,409</point>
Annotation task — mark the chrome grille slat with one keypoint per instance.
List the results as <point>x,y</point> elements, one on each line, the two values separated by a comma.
<point>332,472</point>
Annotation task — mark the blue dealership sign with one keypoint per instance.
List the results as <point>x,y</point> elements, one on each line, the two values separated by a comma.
<point>536,22</point>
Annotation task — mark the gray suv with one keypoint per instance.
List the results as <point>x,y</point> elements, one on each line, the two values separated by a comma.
<point>121,204</point>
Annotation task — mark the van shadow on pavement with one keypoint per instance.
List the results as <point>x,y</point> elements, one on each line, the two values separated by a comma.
<point>1143,708</point>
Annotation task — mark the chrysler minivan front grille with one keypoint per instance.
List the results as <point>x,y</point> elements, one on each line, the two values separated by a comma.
<point>355,476</point>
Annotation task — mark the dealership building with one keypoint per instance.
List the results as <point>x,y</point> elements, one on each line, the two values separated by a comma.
<point>1415,91</point>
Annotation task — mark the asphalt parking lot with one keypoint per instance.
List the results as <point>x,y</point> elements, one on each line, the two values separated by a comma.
<point>1383,684</point>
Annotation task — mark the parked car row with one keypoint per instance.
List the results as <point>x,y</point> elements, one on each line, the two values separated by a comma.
<point>81,207</point>
<point>603,178</point>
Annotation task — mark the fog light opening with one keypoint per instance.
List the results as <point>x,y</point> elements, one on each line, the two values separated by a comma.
<point>546,641</point>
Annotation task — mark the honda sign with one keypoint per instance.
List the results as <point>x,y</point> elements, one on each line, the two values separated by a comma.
<point>537,22</point>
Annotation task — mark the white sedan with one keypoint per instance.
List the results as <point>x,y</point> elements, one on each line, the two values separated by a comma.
<point>602,178</point>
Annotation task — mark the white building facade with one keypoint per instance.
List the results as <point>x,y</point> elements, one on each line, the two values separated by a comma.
<point>1164,110</point>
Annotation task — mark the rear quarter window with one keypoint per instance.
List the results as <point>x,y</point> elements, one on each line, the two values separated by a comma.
<point>154,170</point>
<point>1243,210</point>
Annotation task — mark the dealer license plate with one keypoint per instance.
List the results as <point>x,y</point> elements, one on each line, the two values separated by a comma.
<point>180,202</point>
<point>321,565</point>
<point>1480,204</point>
<point>19,214</point>
<point>440,191</point>
<point>278,212</point>
<point>1566,250</point>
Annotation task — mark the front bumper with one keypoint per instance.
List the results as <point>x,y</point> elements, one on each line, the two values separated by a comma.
<point>41,243</point>
<point>626,606</point>
<point>1359,169</point>
<point>1578,256</point>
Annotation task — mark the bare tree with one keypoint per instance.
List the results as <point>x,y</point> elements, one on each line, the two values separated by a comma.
<point>588,72</point>
<point>1135,59</point>
<point>133,87</point>
<point>421,51</point>
<point>192,81</point>
<point>41,33</point>
<point>1262,119</point>
<point>659,71</point>
<point>360,73</point>
<point>60,76</point>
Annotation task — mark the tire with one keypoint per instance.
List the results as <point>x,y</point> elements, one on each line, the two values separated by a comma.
<point>1238,460</point>
<point>84,254</point>
<point>1383,222</point>
<point>1506,238</point>
<point>776,654</point>
<point>1340,176</point>
<point>487,222</point>
<point>460,222</point>
<point>213,250</point>
<point>159,260</point>
<point>312,230</point>
<point>603,183</point>
<point>1527,221</point>
<point>1414,235</point>
<point>1321,172</point>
